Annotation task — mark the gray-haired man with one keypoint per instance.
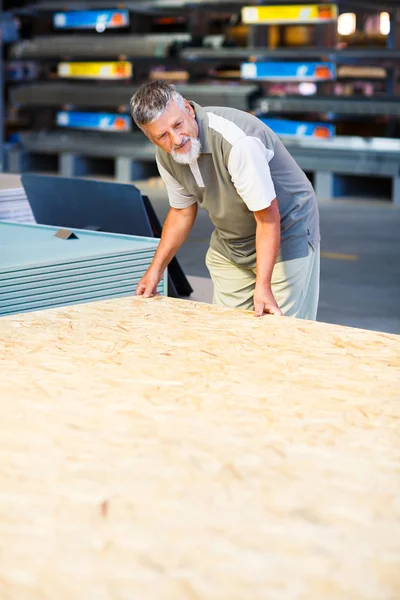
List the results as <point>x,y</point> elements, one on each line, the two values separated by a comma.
<point>264,251</point>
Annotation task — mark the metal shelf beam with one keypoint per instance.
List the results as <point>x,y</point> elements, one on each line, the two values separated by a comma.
<point>135,146</point>
<point>353,153</point>
<point>325,158</point>
<point>115,95</point>
<point>144,5</point>
<point>97,46</point>
<point>136,5</point>
<point>371,55</point>
<point>337,105</point>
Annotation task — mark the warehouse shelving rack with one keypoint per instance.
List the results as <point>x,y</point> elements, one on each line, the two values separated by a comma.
<point>142,50</point>
<point>133,158</point>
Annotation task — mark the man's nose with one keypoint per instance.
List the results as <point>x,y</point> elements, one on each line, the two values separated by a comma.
<point>176,138</point>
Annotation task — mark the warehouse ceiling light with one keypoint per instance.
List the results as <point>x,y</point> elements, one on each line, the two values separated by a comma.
<point>384,24</point>
<point>346,23</point>
<point>307,88</point>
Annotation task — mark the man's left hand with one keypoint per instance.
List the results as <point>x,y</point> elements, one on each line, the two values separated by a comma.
<point>264,302</point>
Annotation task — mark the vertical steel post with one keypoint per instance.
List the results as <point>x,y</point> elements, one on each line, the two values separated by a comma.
<point>1,91</point>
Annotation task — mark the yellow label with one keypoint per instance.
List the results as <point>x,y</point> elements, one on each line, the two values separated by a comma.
<point>96,70</point>
<point>296,13</point>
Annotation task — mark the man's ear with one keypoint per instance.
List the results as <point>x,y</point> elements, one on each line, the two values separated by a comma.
<point>189,108</point>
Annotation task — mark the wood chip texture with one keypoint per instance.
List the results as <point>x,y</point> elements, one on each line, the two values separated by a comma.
<point>161,449</point>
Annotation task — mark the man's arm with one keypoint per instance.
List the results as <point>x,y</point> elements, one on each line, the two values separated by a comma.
<point>248,166</point>
<point>267,247</point>
<point>176,228</point>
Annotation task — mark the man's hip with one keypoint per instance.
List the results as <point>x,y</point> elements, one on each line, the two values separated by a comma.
<point>295,283</point>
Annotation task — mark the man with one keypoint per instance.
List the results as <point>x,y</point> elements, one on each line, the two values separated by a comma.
<point>264,251</point>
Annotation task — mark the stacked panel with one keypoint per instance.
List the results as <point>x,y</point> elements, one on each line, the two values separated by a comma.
<point>14,205</point>
<point>39,269</point>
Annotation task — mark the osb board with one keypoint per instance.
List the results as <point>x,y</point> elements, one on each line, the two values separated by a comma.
<point>167,450</point>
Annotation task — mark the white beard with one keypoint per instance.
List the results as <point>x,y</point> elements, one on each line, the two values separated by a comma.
<point>187,158</point>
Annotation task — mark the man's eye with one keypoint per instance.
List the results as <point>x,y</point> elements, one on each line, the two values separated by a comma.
<point>161,136</point>
<point>178,124</point>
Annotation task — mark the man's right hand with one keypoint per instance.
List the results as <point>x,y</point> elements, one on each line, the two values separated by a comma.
<point>147,286</point>
<point>175,230</point>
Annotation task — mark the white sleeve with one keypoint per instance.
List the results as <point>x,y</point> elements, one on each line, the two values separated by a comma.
<point>177,195</point>
<point>249,169</point>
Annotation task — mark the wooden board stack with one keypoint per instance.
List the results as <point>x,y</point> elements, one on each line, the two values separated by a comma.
<point>163,449</point>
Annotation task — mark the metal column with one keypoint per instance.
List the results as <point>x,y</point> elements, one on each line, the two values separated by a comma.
<point>1,91</point>
<point>392,44</point>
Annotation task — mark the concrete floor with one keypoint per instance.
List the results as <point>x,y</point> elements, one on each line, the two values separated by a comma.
<point>360,264</point>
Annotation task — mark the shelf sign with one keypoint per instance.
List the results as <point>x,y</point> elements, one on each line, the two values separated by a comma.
<point>285,127</point>
<point>296,13</point>
<point>96,121</point>
<point>288,71</point>
<point>91,19</point>
<point>95,70</point>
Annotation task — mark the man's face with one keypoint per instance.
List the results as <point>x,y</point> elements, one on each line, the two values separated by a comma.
<point>176,132</point>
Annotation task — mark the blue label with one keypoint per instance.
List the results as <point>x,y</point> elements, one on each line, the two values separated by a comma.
<point>98,121</point>
<point>300,128</point>
<point>9,28</point>
<point>294,71</point>
<point>91,19</point>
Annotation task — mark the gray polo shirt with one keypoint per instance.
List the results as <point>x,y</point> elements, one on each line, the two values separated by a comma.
<point>242,167</point>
